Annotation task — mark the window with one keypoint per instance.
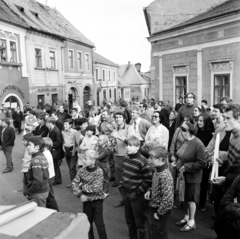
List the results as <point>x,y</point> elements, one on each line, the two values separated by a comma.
<point>110,93</point>
<point>52,59</point>
<point>109,76</point>
<point>87,62</point>
<point>70,57</point>
<point>13,51</point>
<point>104,94</point>
<point>80,60</point>
<point>3,50</point>
<point>221,87</point>
<point>115,95</point>
<point>181,87</point>
<point>114,76</point>
<point>38,57</point>
<point>103,75</point>
<point>96,74</point>
<point>126,95</point>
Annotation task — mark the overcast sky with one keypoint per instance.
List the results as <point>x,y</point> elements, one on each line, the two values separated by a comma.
<point>116,27</point>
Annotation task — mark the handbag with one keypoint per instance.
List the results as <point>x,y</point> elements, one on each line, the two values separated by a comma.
<point>180,187</point>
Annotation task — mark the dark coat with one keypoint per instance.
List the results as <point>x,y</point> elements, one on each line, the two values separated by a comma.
<point>57,150</point>
<point>17,116</point>
<point>8,136</point>
<point>41,131</point>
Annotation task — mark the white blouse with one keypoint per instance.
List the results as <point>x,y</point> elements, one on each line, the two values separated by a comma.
<point>159,134</point>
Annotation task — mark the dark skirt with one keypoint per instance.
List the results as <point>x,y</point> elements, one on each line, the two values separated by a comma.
<point>191,192</point>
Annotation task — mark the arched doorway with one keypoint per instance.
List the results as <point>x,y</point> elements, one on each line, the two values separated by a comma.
<point>86,95</point>
<point>72,95</point>
<point>10,102</point>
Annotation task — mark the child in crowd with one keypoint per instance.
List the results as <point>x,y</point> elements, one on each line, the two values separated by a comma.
<point>88,184</point>
<point>103,161</point>
<point>51,201</point>
<point>161,196</point>
<point>135,181</point>
<point>38,175</point>
<point>25,162</point>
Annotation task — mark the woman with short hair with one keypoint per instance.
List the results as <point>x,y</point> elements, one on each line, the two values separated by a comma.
<point>191,162</point>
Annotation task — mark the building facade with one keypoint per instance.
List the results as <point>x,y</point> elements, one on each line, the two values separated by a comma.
<point>13,64</point>
<point>200,55</point>
<point>106,80</point>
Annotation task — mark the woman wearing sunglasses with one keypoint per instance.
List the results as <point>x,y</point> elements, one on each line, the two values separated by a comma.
<point>191,162</point>
<point>157,133</point>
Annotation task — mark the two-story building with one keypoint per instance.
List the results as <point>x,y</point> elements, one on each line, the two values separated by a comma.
<point>13,66</point>
<point>200,55</point>
<point>139,82</point>
<point>106,79</point>
<point>59,56</point>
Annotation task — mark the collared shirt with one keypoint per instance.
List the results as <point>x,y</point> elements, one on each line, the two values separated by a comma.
<point>136,129</point>
<point>218,123</point>
<point>69,137</point>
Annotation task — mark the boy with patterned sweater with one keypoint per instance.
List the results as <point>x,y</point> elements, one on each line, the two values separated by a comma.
<point>38,175</point>
<point>161,200</point>
<point>88,185</point>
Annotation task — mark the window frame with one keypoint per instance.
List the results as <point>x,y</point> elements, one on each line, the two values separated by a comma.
<point>6,50</point>
<point>126,91</point>
<point>69,62</point>
<point>97,74</point>
<point>52,51</point>
<point>41,58</point>
<point>185,87</point>
<point>80,52</point>
<point>221,87</point>
<point>109,76</point>
<point>16,55</point>
<point>103,76</point>
<point>87,63</point>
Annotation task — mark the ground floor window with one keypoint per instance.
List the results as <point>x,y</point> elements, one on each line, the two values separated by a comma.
<point>181,86</point>
<point>54,98</point>
<point>41,101</point>
<point>221,86</point>
<point>126,95</point>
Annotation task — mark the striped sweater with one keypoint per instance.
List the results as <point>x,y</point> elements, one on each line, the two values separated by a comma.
<point>136,175</point>
<point>38,175</point>
<point>89,182</point>
<point>162,190</point>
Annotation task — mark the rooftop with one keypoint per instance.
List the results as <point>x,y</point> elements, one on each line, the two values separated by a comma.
<point>42,18</point>
<point>221,10</point>
<point>102,60</point>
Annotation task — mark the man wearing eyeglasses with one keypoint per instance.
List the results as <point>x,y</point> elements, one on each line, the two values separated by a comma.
<point>186,109</point>
<point>139,125</point>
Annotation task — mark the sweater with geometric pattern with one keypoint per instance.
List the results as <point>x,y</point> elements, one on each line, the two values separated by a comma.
<point>38,175</point>
<point>162,190</point>
<point>89,182</point>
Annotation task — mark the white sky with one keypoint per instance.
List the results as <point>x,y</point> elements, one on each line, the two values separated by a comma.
<point>117,27</point>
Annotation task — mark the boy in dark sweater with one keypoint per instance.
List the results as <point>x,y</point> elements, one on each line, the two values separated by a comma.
<point>88,184</point>
<point>161,195</point>
<point>38,175</point>
<point>136,179</point>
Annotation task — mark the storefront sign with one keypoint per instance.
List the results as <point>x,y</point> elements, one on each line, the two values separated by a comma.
<point>12,87</point>
<point>47,89</point>
<point>72,82</point>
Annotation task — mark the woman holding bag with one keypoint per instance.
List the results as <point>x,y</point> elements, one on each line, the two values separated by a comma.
<point>191,162</point>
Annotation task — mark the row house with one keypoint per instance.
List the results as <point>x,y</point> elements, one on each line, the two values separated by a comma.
<point>59,56</point>
<point>199,55</point>
<point>13,64</point>
<point>106,79</point>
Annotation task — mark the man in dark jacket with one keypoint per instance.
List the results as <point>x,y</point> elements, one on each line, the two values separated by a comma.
<point>7,139</point>
<point>41,130</point>
<point>57,150</point>
<point>17,117</point>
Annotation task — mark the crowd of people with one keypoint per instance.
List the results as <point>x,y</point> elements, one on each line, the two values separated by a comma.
<point>160,157</point>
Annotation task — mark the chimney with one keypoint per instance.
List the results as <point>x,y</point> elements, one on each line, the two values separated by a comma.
<point>138,66</point>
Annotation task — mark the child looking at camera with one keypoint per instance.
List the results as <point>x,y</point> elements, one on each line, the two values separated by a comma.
<point>88,185</point>
<point>161,196</point>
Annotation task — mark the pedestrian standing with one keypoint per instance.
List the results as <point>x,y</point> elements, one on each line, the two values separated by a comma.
<point>17,117</point>
<point>88,185</point>
<point>7,140</point>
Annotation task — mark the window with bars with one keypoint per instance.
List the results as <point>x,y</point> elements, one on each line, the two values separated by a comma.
<point>80,60</point>
<point>3,50</point>
<point>181,87</point>
<point>52,59</point>
<point>38,57</point>
<point>221,86</point>
<point>70,59</point>
<point>13,51</point>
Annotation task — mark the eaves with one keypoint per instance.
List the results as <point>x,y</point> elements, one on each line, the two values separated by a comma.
<point>13,23</point>
<point>81,43</point>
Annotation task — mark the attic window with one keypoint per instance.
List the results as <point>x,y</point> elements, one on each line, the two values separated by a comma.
<point>34,13</point>
<point>21,9</point>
